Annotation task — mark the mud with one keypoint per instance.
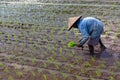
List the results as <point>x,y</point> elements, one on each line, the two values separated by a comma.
<point>50,57</point>
<point>40,52</point>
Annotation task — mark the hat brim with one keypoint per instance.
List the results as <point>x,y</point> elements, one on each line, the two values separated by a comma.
<point>72,22</point>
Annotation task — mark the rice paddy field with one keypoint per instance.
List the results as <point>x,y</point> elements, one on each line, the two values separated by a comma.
<point>34,40</point>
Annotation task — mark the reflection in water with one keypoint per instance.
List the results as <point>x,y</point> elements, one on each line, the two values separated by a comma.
<point>2,13</point>
<point>29,15</point>
<point>106,54</point>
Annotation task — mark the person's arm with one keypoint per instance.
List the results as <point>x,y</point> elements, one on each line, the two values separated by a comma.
<point>85,35</point>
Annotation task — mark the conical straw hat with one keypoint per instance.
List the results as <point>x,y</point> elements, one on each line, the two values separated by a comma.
<point>72,21</point>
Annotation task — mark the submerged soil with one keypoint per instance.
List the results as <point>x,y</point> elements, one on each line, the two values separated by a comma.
<point>37,52</point>
<point>24,57</point>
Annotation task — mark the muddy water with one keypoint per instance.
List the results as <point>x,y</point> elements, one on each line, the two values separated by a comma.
<point>54,13</point>
<point>44,41</point>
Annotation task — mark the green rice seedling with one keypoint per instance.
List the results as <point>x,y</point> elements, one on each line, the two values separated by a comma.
<point>34,60</point>
<point>61,50</point>
<point>91,78</point>
<point>78,77</point>
<point>10,77</point>
<point>64,75</point>
<point>44,76</point>
<point>103,64</point>
<point>57,65</point>
<point>117,64</point>
<point>2,65</point>
<point>44,64</point>
<point>54,53</point>
<point>31,54</point>
<point>98,72</point>
<point>112,72</point>
<point>45,52</point>
<point>35,50</point>
<point>0,32</point>
<point>13,34</point>
<point>20,35</point>
<point>67,68</point>
<point>76,60</point>
<point>1,78</point>
<point>71,44</point>
<point>55,78</point>
<point>73,53</point>
<point>35,45</point>
<point>0,22</point>
<point>87,64</point>
<point>33,73</point>
<point>19,73</point>
<point>16,39</point>
<point>112,78</point>
<point>72,65</point>
<point>6,70</point>
<point>21,61</point>
<point>84,71</point>
<point>113,6</point>
<point>49,61</point>
<point>26,34</point>
<point>20,53</point>
<point>39,70</point>
<point>9,59</point>
<point>31,47</point>
<point>24,45</point>
<point>107,33</point>
<point>92,59</point>
<point>52,59</point>
<point>3,23</point>
<point>2,38</point>
<point>65,46</point>
<point>64,58</point>
<point>116,36</point>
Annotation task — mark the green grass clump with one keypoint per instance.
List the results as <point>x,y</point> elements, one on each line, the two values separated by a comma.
<point>71,44</point>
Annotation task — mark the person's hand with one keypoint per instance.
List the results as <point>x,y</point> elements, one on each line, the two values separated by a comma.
<point>78,45</point>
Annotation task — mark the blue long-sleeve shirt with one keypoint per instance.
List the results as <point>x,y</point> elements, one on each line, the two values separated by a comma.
<point>89,27</point>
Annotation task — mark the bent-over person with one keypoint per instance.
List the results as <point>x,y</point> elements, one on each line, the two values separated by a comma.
<point>91,29</point>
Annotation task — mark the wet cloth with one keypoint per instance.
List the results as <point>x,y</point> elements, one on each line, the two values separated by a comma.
<point>90,28</point>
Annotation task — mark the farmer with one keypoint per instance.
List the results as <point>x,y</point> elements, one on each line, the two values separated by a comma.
<point>91,30</point>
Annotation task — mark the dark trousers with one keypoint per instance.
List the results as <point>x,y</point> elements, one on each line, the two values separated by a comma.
<point>91,48</point>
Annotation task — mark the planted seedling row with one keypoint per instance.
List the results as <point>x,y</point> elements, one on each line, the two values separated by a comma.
<point>48,66</point>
